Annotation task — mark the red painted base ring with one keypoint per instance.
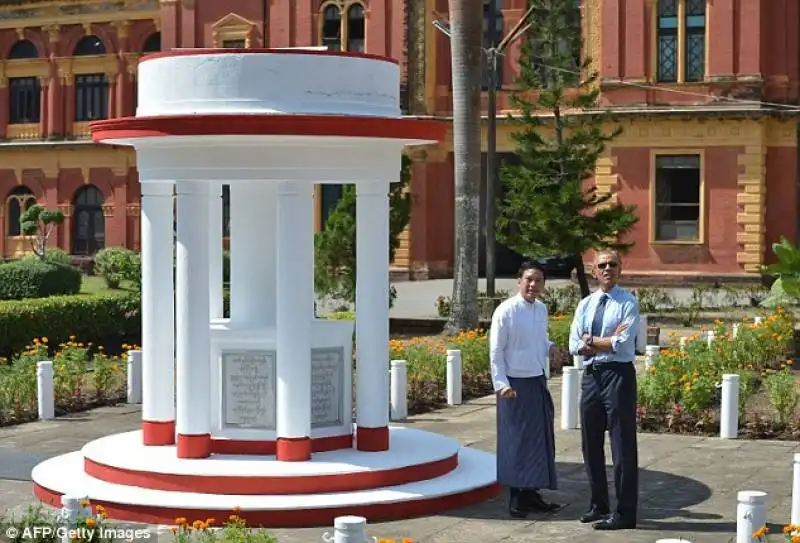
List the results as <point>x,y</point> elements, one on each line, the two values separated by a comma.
<point>269,447</point>
<point>260,485</point>
<point>291,449</point>
<point>372,439</point>
<point>196,446</point>
<point>157,432</point>
<point>287,518</point>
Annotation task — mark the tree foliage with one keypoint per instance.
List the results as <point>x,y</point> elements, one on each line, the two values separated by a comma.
<point>786,288</point>
<point>335,245</point>
<point>38,223</point>
<point>561,132</point>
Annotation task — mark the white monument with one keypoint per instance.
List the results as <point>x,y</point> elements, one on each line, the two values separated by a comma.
<point>255,410</point>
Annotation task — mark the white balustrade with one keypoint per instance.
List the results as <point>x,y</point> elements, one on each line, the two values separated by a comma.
<point>729,418</point>
<point>398,394</point>
<point>44,390</point>
<point>751,514</point>
<point>135,377</point>
<point>453,377</point>
<point>570,380</point>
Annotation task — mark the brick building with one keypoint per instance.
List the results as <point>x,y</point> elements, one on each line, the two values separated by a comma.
<point>683,159</point>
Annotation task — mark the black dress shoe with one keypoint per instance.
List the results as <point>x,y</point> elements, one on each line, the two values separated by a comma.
<point>594,514</point>
<point>533,501</point>
<point>615,522</point>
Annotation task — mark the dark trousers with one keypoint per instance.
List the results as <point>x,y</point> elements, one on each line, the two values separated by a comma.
<point>609,403</point>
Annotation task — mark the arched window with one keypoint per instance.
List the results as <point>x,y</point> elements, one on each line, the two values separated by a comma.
<point>89,224</point>
<point>91,90</point>
<point>19,200</point>
<point>153,43</point>
<point>24,93</point>
<point>332,28</point>
<point>355,28</point>
<point>340,32</point>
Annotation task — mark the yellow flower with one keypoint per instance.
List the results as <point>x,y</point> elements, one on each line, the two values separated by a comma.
<point>90,523</point>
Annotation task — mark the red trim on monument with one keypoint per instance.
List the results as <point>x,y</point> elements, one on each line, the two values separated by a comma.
<point>223,51</point>
<point>158,432</point>
<point>287,518</point>
<point>340,126</point>
<point>293,449</point>
<point>260,485</point>
<point>194,446</point>
<point>269,447</point>
<point>372,439</point>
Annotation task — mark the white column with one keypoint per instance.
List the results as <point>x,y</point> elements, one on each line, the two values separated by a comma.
<point>193,338</point>
<point>295,298</point>
<point>158,314</point>
<point>253,254</point>
<point>372,316</point>
<point>215,304</point>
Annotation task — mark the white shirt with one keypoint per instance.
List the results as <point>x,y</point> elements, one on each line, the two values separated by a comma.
<point>519,342</point>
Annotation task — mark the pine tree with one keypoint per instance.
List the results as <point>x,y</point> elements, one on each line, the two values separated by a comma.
<point>335,245</point>
<point>547,209</point>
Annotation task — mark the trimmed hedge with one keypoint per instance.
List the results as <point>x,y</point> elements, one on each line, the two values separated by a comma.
<point>101,318</point>
<point>34,278</point>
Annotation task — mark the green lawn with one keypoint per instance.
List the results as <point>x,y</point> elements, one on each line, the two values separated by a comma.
<point>94,284</point>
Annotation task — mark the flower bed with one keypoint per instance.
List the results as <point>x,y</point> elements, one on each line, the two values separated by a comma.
<point>426,359</point>
<point>83,377</point>
<point>681,391</point>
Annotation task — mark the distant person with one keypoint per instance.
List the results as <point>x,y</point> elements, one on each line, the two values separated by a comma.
<point>603,331</point>
<point>519,348</point>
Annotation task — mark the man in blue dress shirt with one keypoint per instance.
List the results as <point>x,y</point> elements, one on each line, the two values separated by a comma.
<point>603,332</point>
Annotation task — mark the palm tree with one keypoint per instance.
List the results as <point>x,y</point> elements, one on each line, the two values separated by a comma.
<point>466,41</point>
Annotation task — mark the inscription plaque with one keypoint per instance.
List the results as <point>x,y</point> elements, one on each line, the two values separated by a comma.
<point>327,387</point>
<point>248,389</point>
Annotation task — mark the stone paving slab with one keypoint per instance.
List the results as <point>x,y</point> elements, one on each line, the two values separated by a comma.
<point>688,484</point>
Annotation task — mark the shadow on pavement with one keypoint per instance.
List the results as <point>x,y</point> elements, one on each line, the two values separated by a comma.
<point>665,502</point>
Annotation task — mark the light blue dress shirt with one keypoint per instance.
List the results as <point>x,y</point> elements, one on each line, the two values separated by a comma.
<point>621,306</point>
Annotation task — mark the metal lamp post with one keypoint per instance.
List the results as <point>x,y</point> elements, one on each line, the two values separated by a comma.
<point>492,54</point>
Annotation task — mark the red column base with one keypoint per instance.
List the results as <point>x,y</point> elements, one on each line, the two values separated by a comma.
<point>196,446</point>
<point>372,439</point>
<point>293,449</point>
<point>158,432</point>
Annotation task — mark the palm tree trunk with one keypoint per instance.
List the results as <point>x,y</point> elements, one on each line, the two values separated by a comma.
<point>466,28</point>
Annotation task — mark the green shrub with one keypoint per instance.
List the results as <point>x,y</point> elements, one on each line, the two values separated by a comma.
<point>34,278</point>
<point>53,255</point>
<point>118,264</point>
<point>100,318</point>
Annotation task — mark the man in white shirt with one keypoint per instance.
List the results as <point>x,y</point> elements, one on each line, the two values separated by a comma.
<point>519,349</point>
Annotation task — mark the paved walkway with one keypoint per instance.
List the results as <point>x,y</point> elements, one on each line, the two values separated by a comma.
<point>688,484</point>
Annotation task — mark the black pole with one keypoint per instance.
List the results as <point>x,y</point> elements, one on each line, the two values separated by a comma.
<point>491,145</point>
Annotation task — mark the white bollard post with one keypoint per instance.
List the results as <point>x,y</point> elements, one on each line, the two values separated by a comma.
<point>641,334</point>
<point>729,418</point>
<point>71,511</point>
<point>751,514</point>
<point>757,320</point>
<point>683,341</point>
<point>577,361</point>
<point>651,356</point>
<point>710,338</point>
<point>44,390</point>
<point>454,377</point>
<point>570,401</point>
<point>349,529</point>
<point>735,330</point>
<point>134,376</point>
<point>398,393</point>
<point>796,492</point>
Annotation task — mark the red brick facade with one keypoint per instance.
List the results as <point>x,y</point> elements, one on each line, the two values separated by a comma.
<point>83,67</point>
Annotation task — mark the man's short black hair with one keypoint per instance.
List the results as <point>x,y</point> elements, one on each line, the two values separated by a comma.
<point>531,265</point>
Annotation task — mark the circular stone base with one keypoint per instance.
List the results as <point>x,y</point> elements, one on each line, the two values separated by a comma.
<point>415,455</point>
<point>473,480</point>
